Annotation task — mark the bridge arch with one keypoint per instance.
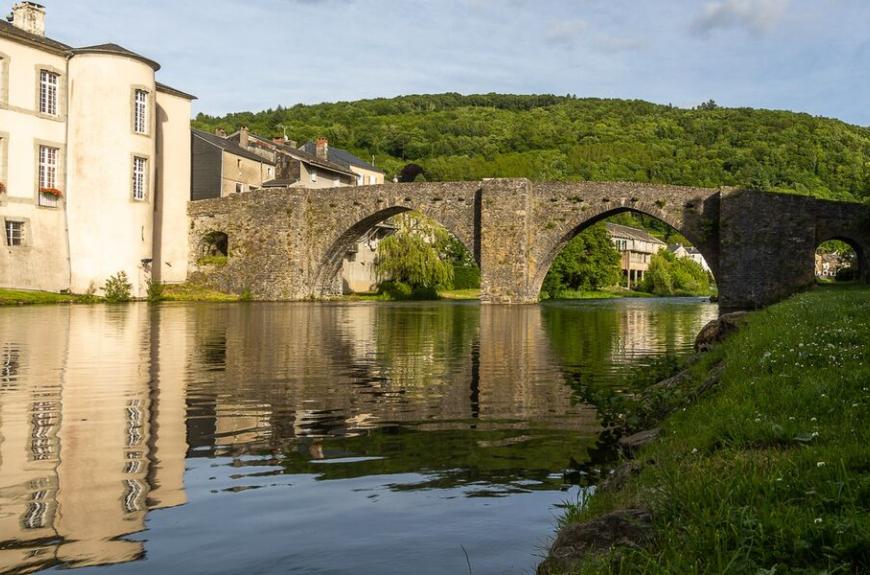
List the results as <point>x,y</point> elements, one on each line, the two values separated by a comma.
<point>328,273</point>
<point>589,218</point>
<point>860,249</point>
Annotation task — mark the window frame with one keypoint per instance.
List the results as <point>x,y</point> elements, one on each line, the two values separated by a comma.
<point>48,173</point>
<point>312,176</point>
<point>52,106</point>
<point>5,65</point>
<point>8,223</point>
<point>141,124</point>
<point>145,178</point>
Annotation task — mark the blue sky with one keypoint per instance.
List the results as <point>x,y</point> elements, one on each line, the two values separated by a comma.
<point>804,55</point>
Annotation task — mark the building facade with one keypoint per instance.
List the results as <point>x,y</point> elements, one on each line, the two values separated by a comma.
<point>636,248</point>
<point>94,163</point>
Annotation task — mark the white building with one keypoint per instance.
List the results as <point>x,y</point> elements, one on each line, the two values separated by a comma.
<point>94,163</point>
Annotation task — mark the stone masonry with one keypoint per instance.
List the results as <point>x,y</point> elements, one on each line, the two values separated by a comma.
<point>288,244</point>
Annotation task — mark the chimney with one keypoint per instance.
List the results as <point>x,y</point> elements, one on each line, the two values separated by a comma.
<point>243,136</point>
<point>322,149</point>
<point>29,16</point>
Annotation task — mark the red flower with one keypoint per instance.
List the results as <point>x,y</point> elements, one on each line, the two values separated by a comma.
<point>51,192</point>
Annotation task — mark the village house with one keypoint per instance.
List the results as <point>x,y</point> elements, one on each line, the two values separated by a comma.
<point>691,252</point>
<point>94,163</point>
<point>636,248</point>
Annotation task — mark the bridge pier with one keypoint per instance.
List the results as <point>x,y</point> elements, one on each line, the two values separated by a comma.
<point>505,242</point>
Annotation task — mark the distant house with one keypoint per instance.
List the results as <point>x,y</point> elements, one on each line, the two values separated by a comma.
<point>691,253</point>
<point>827,265</point>
<point>366,174</point>
<point>636,247</point>
<point>221,167</point>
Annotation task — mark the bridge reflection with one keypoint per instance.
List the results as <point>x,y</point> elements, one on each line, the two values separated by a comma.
<point>101,407</point>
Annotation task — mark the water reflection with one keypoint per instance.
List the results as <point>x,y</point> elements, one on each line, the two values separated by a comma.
<point>105,412</point>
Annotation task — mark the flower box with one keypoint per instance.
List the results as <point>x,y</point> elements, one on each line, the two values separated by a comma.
<point>51,192</point>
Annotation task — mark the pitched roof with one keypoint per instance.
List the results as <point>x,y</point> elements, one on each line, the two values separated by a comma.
<point>9,30</point>
<point>117,50</point>
<point>170,90</point>
<point>301,155</point>
<point>341,157</point>
<point>618,230</point>
<point>230,146</point>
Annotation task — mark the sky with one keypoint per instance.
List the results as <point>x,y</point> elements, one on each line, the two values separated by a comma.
<point>248,55</point>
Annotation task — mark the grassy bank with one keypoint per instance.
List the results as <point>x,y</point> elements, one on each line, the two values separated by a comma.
<point>769,472</point>
<point>194,292</point>
<point>23,297</point>
<point>601,294</point>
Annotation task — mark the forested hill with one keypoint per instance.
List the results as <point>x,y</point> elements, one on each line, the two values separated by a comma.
<point>455,137</point>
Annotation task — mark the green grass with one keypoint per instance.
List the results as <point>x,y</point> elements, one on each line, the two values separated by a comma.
<point>24,297</point>
<point>771,472</point>
<point>194,292</point>
<point>460,294</point>
<point>601,294</point>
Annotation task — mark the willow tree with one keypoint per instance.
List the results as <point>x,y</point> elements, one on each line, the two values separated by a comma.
<point>416,253</point>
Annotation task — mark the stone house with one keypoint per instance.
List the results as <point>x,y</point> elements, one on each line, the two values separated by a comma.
<point>366,174</point>
<point>636,248</point>
<point>220,167</point>
<point>93,180</point>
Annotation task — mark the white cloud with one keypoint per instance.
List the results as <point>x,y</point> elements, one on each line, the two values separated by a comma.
<point>755,15</point>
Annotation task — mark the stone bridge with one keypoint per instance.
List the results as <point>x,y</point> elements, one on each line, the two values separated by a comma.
<point>288,244</point>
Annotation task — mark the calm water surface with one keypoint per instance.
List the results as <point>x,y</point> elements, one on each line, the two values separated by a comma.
<point>306,438</point>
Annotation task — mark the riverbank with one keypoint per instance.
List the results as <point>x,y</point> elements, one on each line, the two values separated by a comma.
<point>25,297</point>
<point>764,464</point>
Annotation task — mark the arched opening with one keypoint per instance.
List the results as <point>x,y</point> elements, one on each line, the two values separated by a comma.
<point>399,253</point>
<point>627,253</point>
<point>214,249</point>
<point>838,260</point>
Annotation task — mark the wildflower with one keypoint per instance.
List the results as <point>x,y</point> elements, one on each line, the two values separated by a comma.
<point>818,520</point>
<point>820,464</point>
<point>812,419</point>
<point>815,434</point>
<point>694,450</point>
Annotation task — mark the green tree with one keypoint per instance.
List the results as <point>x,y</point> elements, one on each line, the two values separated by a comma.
<point>588,262</point>
<point>415,254</point>
<point>670,275</point>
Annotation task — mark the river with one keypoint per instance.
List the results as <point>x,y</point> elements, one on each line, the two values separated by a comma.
<point>363,438</point>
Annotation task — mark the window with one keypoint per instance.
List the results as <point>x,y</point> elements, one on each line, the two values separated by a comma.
<point>48,192</point>
<point>313,175</point>
<point>140,171</point>
<point>371,180</point>
<point>140,112</point>
<point>239,188</point>
<point>359,179</point>
<point>48,92</point>
<point>4,69</point>
<point>269,172</point>
<point>14,233</point>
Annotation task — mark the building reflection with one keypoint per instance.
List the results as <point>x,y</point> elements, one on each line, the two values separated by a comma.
<point>86,451</point>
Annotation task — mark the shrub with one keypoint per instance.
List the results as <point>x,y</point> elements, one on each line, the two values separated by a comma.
<point>155,291</point>
<point>466,277</point>
<point>118,289</point>
<point>401,291</point>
